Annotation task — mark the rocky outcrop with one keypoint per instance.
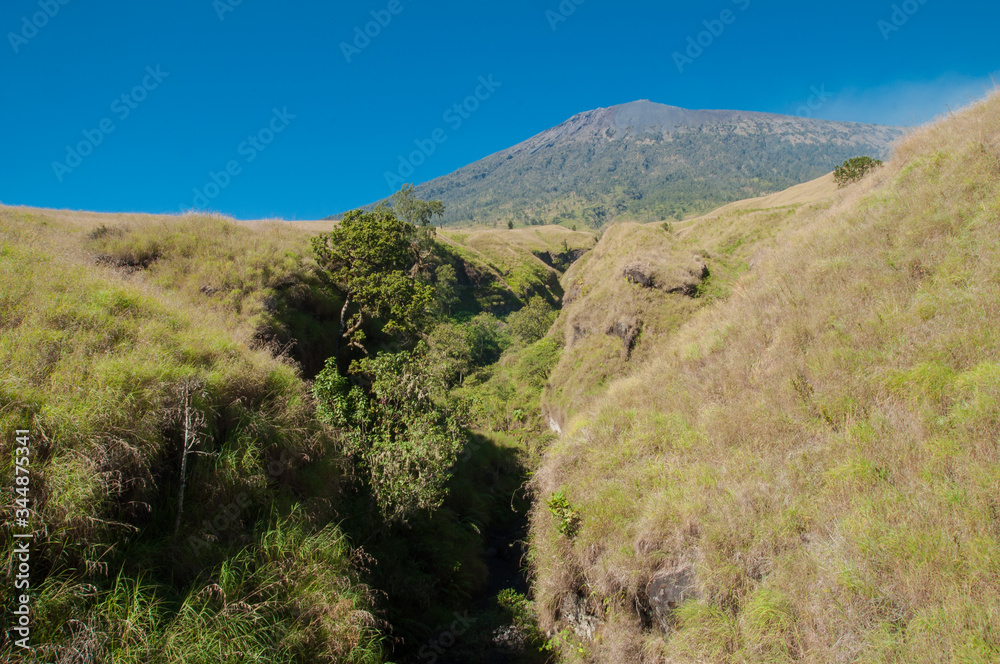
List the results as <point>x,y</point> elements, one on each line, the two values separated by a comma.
<point>560,260</point>
<point>628,330</point>
<point>576,612</point>
<point>667,590</point>
<point>640,274</point>
<point>685,279</point>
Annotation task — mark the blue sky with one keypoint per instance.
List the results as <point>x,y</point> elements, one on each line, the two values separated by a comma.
<point>256,108</point>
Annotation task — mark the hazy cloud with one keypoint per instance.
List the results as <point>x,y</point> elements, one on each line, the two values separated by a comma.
<point>906,102</point>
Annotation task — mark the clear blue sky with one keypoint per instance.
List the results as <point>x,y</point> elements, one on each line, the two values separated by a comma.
<point>226,76</point>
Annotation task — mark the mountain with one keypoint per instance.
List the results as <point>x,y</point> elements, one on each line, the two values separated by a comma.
<point>649,161</point>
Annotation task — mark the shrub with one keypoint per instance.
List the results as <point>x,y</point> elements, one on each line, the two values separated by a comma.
<point>533,321</point>
<point>854,169</point>
<point>402,440</point>
<point>569,519</point>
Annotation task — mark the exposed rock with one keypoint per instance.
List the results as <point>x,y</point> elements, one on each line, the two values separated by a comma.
<point>637,273</point>
<point>571,295</point>
<point>667,590</point>
<point>628,330</point>
<point>697,272</point>
<point>684,281</point>
<point>129,262</point>
<point>575,612</point>
<point>560,260</point>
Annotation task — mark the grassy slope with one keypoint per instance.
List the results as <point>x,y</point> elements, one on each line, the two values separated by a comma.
<point>95,360</point>
<point>819,443</point>
<point>600,303</point>
<point>103,319</point>
<point>515,256</point>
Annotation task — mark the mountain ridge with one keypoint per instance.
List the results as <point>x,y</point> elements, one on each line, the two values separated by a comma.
<point>648,161</point>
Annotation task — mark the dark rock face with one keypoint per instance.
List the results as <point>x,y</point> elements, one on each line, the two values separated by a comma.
<point>575,611</point>
<point>628,330</point>
<point>637,273</point>
<point>686,283</point>
<point>697,273</point>
<point>560,261</point>
<point>667,590</point>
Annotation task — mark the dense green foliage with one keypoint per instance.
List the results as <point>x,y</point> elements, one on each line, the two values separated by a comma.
<point>854,169</point>
<point>402,439</point>
<point>373,260</point>
<point>405,204</point>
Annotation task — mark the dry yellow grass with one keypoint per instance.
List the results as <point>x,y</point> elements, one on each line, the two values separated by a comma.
<point>606,313</point>
<point>95,361</point>
<point>815,191</point>
<point>820,445</point>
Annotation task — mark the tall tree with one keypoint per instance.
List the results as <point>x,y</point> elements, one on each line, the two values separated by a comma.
<point>411,209</point>
<point>372,258</point>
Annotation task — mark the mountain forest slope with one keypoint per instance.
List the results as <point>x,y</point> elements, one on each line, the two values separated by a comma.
<point>781,427</point>
<point>648,161</point>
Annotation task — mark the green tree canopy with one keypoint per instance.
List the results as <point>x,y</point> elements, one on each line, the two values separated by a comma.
<point>373,258</point>
<point>404,437</point>
<point>412,210</point>
<point>533,321</point>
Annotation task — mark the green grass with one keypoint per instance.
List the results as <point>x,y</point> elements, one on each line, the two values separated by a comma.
<point>95,363</point>
<point>818,439</point>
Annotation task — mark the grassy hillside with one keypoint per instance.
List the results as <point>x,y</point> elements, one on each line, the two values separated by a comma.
<point>104,367</point>
<point>803,467</point>
<point>524,261</point>
<point>629,295</point>
<point>123,336</point>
